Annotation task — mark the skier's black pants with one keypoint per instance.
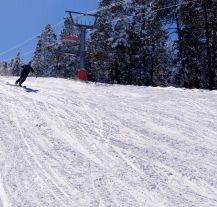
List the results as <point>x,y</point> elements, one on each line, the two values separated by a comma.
<point>21,79</point>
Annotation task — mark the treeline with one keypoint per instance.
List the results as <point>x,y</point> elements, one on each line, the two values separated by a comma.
<point>155,42</point>
<point>53,57</point>
<point>137,42</point>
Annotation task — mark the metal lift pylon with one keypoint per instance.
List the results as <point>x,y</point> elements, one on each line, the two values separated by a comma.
<point>83,29</point>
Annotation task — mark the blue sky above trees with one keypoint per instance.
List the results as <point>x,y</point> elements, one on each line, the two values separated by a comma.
<point>23,19</point>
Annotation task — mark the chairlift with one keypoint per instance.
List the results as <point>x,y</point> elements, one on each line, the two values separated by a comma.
<point>70,39</point>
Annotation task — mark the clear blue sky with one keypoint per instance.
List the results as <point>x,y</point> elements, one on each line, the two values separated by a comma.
<point>22,19</point>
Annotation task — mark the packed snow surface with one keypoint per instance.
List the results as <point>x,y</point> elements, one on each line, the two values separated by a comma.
<point>66,143</point>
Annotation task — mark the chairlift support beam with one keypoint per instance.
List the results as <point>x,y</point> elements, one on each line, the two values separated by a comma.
<point>83,28</point>
<point>82,13</point>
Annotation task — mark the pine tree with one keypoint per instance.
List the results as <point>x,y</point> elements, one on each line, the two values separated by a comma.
<point>16,65</point>
<point>193,45</point>
<point>119,44</point>
<point>68,51</point>
<point>209,8</point>
<point>44,60</point>
<point>100,54</point>
<point>159,52</point>
<point>136,11</point>
<point>177,65</point>
<point>131,43</point>
<point>4,68</point>
<point>196,43</point>
<point>151,45</point>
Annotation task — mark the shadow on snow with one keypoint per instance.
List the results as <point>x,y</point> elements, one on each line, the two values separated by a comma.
<point>30,90</point>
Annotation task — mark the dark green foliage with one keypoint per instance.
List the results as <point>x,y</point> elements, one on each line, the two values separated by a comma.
<point>128,45</point>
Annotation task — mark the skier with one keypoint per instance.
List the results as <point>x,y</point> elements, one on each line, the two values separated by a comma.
<point>24,73</point>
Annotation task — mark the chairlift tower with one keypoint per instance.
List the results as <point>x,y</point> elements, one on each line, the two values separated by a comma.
<point>83,29</point>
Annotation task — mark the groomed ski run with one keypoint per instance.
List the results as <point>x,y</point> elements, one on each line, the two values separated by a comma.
<point>64,143</point>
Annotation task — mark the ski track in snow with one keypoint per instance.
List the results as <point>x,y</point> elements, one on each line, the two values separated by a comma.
<point>83,144</point>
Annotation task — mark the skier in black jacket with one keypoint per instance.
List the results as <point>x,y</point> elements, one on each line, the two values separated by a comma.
<point>24,73</point>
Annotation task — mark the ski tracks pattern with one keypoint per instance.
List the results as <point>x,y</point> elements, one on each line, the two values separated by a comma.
<point>96,145</point>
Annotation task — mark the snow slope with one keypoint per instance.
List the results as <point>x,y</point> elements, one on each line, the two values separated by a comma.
<point>65,143</point>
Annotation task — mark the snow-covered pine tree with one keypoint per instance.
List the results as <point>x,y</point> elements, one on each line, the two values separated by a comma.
<point>209,10</point>
<point>157,38</point>
<point>193,45</point>
<point>113,43</point>
<point>195,62</point>
<point>136,11</point>
<point>15,65</point>
<point>45,56</point>
<point>118,44</point>
<point>68,51</point>
<point>129,47</point>
<point>149,45</point>
<point>1,68</point>
<point>179,74</point>
<point>4,68</point>
<point>99,54</point>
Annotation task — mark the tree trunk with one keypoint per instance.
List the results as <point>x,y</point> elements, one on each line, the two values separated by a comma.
<point>181,52</point>
<point>208,51</point>
<point>152,66</point>
<point>214,46</point>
